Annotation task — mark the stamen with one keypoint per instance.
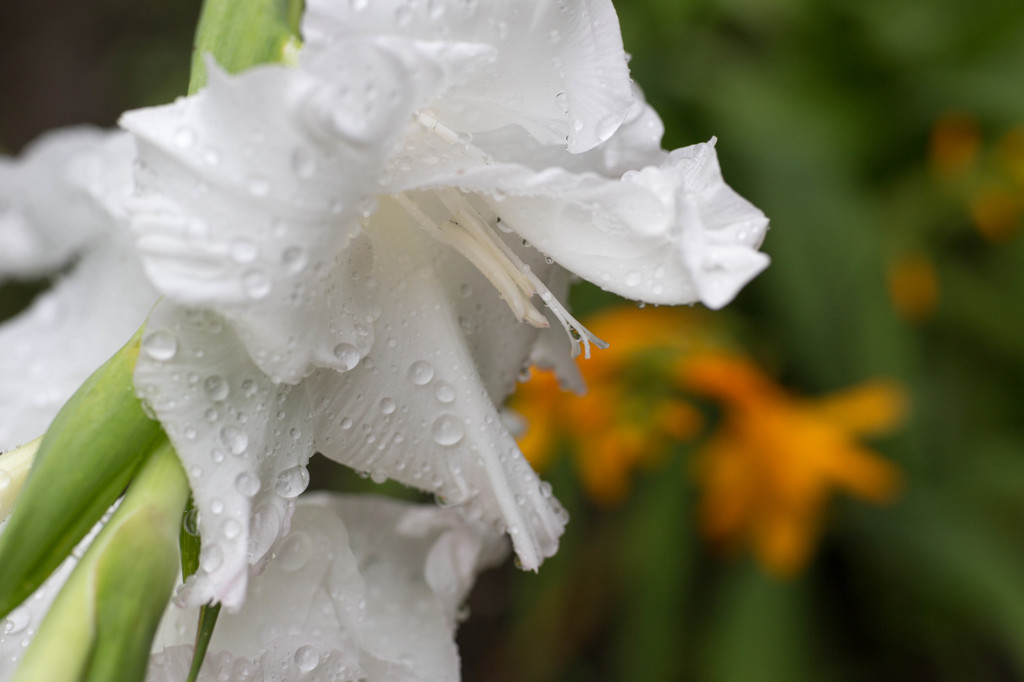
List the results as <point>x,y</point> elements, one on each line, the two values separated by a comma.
<point>468,233</point>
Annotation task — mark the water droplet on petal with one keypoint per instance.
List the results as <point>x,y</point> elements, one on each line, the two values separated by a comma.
<point>633,278</point>
<point>16,621</point>
<point>562,102</point>
<point>444,392</point>
<point>447,430</point>
<point>256,284</point>
<point>294,259</point>
<point>291,482</point>
<point>234,439</point>
<point>387,406</point>
<point>231,529</point>
<point>216,387</point>
<point>348,354</point>
<point>307,658</point>
<point>247,484</point>
<point>160,345</point>
<point>421,372</point>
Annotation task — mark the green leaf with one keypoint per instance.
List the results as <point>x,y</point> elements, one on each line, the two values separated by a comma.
<point>190,545</point>
<point>240,34</point>
<point>207,621</point>
<point>14,468</point>
<point>101,626</point>
<point>89,454</point>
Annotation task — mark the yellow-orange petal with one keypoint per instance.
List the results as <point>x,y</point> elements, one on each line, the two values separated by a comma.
<point>871,408</point>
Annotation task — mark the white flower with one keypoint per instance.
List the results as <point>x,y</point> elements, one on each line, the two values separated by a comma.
<point>362,588</point>
<point>61,203</point>
<point>349,249</point>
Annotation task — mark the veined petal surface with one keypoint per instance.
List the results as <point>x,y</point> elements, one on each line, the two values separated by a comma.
<point>420,408</point>
<point>243,441</point>
<point>558,70</point>
<point>50,348</point>
<point>47,215</point>
<point>668,234</point>
<point>252,192</point>
<point>361,588</point>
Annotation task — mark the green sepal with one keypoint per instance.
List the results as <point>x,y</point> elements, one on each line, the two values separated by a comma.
<point>243,33</point>
<point>101,625</point>
<point>89,454</point>
<point>191,545</point>
<point>207,621</point>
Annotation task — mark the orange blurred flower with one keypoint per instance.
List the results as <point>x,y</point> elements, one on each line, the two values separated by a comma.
<point>955,142</point>
<point>913,286</point>
<point>774,461</point>
<point>633,410</point>
<point>767,469</point>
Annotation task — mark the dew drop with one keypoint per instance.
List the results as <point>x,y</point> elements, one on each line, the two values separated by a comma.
<point>234,439</point>
<point>247,484</point>
<point>447,430</point>
<point>160,346</point>
<point>387,406</point>
<point>294,259</point>
<point>16,621</point>
<point>307,658</point>
<point>633,278</point>
<point>347,354</point>
<point>231,529</point>
<point>256,284</point>
<point>421,372</point>
<point>562,101</point>
<point>444,392</point>
<point>191,522</point>
<point>291,482</point>
<point>215,387</point>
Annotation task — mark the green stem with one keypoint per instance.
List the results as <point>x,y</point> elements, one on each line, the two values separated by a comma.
<point>240,34</point>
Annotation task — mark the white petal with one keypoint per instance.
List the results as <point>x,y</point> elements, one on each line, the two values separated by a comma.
<point>252,194</point>
<point>48,350</point>
<point>420,408</point>
<point>361,588</point>
<point>46,212</point>
<point>242,439</point>
<point>559,71</point>
<point>636,144</point>
<point>669,234</point>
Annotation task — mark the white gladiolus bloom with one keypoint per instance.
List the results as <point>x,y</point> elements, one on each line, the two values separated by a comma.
<point>62,203</point>
<point>350,248</point>
<point>362,588</point>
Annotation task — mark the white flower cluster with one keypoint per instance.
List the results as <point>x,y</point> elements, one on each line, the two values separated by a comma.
<point>356,254</point>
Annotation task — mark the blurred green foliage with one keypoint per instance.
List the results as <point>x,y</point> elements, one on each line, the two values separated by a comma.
<point>826,115</point>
